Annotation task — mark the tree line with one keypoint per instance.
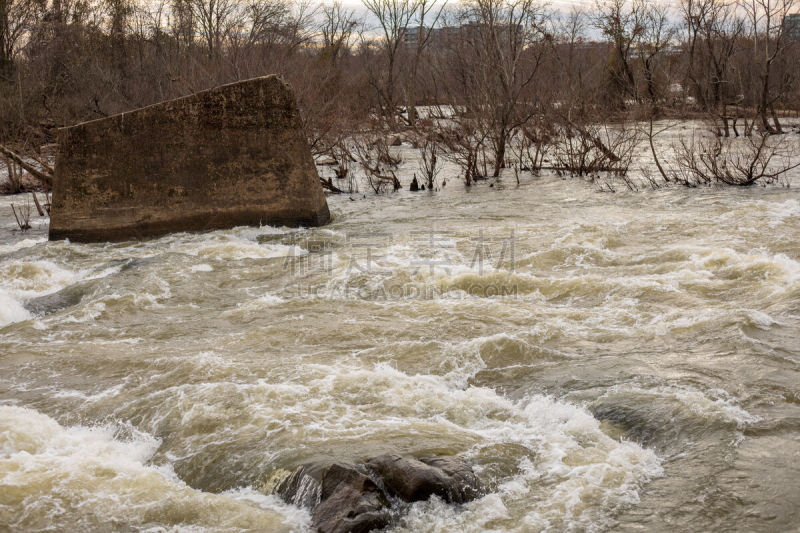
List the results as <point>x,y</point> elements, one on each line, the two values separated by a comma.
<point>487,84</point>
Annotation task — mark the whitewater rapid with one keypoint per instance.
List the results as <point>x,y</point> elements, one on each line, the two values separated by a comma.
<point>625,361</point>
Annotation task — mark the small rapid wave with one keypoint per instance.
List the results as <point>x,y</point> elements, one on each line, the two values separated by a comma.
<point>665,414</point>
<point>90,478</point>
<point>11,310</point>
<point>780,212</point>
<point>20,245</point>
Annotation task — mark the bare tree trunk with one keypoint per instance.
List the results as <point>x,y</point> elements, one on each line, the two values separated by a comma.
<point>5,60</point>
<point>38,205</point>
<point>499,154</point>
<point>775,120</point>
<point>650,138</point>
<point>762,107</point>
<point>725,126</point>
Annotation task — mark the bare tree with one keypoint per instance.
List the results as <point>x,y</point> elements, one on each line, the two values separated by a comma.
<point>466,146</point>
<point>595,148</point>
<point>16,17</point>
<point>653,41</point>
<point>213,19</point>
<point>394,18</point>
<point>504,42</point>
<point>771,46</point>
<point>621,23</point>
<point>379,165</point>
<point>714,30</point>
<point>430,162</point>
<point>337,30</point>
<point>22,214</point>
<point>426,17</point>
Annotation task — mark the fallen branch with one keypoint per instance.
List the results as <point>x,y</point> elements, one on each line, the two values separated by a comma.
<point>612,170</point>
<point>45,175</point>
<point>38,205</point>
<point>596,141</point>
<point>328,184</point>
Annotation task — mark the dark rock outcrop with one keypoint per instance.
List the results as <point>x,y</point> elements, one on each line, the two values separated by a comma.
<point>351,502</point>
<point>342,498</point>
<point>302,487</point>
<point>412,480</point>
<point>233,155</point>
<point>353,498</point>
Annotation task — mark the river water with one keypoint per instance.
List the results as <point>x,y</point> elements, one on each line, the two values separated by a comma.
<point>623,361</point>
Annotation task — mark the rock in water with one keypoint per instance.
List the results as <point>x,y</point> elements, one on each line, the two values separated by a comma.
<point>351,498</point>
<point>342,498</point>
<point>449,478</point>
<point>351,502</point>
<point>233,155</point>
<point>302,487</point>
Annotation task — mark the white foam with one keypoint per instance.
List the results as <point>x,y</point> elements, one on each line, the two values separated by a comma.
<point>31,279</point>
<point>11,310</point>
<point>28,279</point>
<point>714,404</point>
<point>270,300</point>
<point>759,319</point>
<point>778,213</point>
<point>231,247</point>
<point>20,245</point>
<point>299,517</point>
<point>573,475</point>
<point>85,478</point>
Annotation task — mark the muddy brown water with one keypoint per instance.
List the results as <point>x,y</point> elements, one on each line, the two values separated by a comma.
<point>607,361</point>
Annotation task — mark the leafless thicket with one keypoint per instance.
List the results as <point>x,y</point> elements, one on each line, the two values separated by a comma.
<point>758,159</point>
<point>486,84</point>
<point>430,163</point>
<point>371,150</point>
<point>22,214</point>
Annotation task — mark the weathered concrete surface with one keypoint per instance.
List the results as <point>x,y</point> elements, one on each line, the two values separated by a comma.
<point>233,155</point>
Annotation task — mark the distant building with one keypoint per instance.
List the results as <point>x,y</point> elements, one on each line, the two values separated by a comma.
<point>411,36</point>
<point>791,26</point>
<point>436,36</point>
<point>447,35</point>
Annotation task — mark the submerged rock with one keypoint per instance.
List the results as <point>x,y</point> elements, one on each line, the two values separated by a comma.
<point>66,297</point>
<point>353,498</point>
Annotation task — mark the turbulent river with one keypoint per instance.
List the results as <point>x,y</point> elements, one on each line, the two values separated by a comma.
<point>625,361</point>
